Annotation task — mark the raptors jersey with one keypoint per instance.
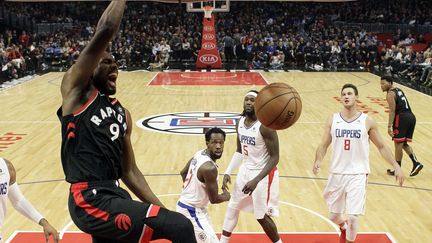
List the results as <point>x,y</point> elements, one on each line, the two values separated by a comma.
<point>92,140</point>
<point>350,142</point>
<point>254,150</point>
<point>4,186</point>
<point>194,191</point>
<point>402,104</point>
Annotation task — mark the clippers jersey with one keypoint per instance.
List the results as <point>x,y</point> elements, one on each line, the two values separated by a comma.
<point>92,140</point>
<point>350,142</point>
<point>4,186</point>
<point>254,150</point>
<point>402,104</point>
<point>194,191</point>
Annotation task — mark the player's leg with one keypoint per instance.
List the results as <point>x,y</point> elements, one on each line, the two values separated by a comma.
<point>265,201</point>
<point>108,212</point>
<point>410,127</point>
<point>335,197</point>
<point>204,232</point>
<point>355,204</point>
<point>270,228</point>
<point>352,228</point>
<point>238,201</point>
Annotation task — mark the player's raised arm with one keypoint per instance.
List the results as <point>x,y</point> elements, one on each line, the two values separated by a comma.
<point>77,78</point>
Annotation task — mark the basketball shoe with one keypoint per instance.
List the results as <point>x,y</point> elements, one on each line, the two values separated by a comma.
<point>416,169</point>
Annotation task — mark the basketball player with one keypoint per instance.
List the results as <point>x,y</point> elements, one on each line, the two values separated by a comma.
<point>401,124</point>
<point>257,185</point>
<point>349,132</point>
<point>200,186</point>
<point>10,189</point>
<point>97,151</point>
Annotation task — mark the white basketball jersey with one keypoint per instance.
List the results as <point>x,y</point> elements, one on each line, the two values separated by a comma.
<point>194,192</point>
<point>254,150</point>
<point>350,142</point>
<point>4,186</point>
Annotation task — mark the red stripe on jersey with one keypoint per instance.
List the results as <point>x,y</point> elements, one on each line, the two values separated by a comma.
<point>82,203</point>
<point>153,211</point>
<point>114,101</point>
<point>71,135</point>
<point>270,177</point>
<point>70,125</point>
<point>396,121</point>
<point>92,98</point>
<point>146,235</point>
<point>401,140</point>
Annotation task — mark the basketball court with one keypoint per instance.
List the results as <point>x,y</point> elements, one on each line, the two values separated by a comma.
<point>178,109</point>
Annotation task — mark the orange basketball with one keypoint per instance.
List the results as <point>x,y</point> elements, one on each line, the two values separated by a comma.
<point>278,106</point>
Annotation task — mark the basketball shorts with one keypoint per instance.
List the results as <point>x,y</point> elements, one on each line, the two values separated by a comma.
<point>108,213</point>
<point>403,127</point>
<point>346,193</point>
<point>265,197</point>
<point>204,232</point>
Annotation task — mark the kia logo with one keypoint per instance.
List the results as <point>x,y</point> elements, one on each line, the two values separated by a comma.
<point>208,45</point>
<point>208,36</point>
<point>208,59</point>
<point>208,28</point>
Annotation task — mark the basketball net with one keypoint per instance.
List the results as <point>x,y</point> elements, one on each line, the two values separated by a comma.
<point>208,11</point>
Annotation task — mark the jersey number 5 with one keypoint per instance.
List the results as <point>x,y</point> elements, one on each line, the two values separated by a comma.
<point>347,144</point>
<point>245,150</point>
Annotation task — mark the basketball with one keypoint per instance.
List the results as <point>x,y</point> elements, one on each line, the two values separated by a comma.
<point>278,106</point>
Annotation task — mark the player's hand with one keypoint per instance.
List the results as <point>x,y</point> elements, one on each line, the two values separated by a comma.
<point>226,180</point>
<point>226,194</point>
<point>390,132</point>
<point>49,230</point>
<point>250,187</point>
<point>400,178</point>
<point>316,167</point>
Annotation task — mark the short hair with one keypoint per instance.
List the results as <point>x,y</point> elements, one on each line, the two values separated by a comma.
<point>214,130</point>
<point>387,78</point>
<point>350,86</point>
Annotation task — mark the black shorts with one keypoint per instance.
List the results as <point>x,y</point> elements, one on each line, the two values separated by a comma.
<point>108,213</point>
<point>403,127</point>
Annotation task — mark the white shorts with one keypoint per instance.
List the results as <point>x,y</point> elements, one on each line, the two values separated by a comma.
<point>265,197</point>
<point>201,222</point>
<point>346,193</point>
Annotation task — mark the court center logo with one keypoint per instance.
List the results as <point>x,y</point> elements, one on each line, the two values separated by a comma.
<point>190,123</point>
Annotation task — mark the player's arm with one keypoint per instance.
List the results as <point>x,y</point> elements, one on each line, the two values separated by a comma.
<point>323,146</point>
<point>23,206</point>
<point>208,174</point>
<point>78,76</point>
<point>384,150</point>
<point>235,162</point>
<point>132,176</point>
<point>391,100</point>
<point>271,141</point>
<point>185,170</point>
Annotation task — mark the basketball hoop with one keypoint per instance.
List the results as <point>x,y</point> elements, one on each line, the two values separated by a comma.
<point>208,11</point>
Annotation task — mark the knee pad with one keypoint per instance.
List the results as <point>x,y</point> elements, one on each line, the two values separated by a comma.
<point>231,219</point>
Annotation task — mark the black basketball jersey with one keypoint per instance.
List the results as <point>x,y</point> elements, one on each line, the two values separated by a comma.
<point>402,104</point>
<point>92,140</point>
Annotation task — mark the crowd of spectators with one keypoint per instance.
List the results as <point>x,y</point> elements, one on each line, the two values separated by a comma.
<point>257,35</point>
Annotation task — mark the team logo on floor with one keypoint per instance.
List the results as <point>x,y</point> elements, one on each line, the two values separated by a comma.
<point>190,123</point>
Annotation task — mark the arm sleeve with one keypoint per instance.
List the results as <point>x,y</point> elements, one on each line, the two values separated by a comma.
<point>20,203</point>
<point>236,161</point>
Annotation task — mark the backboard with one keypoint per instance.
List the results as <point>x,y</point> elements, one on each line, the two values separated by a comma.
<point>218,6</point>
